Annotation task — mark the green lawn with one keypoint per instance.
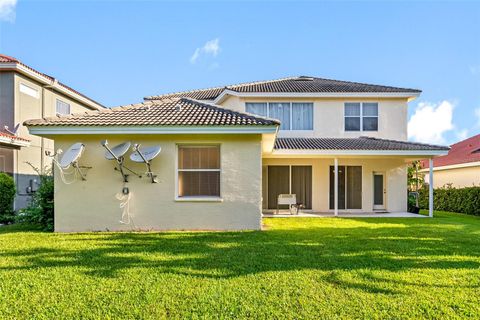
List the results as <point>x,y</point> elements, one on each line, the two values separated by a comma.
<point>297,268</point>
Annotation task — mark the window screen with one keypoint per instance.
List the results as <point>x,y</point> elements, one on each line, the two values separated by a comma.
<point>302,116</point>
<point>370,116</point>
<point>257,108</point>
<point>352,116</point>
<point>198,171</point>
<point>280,111</point>
<point>62,107</point>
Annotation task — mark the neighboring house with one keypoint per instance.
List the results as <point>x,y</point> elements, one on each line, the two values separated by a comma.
<point>338,146</point>
<point>460,167</point>
<point>25,94</point>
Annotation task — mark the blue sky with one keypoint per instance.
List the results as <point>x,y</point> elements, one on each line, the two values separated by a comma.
<point>119,52</point>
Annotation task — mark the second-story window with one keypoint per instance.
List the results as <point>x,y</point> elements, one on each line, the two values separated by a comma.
<point>292,115</point>
<point>280,111</point>
<point>302,116</point>
<point>361,116</point>
<point>257,108</point>
<point>62,107</point>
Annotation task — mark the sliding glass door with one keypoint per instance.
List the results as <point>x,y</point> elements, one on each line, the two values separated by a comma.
<point>302,185</point>
<point>278,183</point>
<point>349,187</point>
<point>290,180</point>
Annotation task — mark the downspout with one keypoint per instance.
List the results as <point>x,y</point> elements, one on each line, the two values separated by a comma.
<point>42,147</point>
<point>42,142</point>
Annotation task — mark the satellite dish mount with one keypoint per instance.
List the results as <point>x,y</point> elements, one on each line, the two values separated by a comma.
<point>69,158</point>
<point>145,155</point>
<point>116,153</point>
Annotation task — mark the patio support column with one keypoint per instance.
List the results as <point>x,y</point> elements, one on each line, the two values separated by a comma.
<point>335,187</point>
<point>430,188</point>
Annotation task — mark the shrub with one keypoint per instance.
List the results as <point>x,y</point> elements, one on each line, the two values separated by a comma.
<point>462,200</point>
<point>40,211</point>
<point>7,197</point>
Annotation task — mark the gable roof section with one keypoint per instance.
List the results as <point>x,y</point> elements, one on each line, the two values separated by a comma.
<point>301,84</point>
<point>463,152</point>
<point>9,63</point>
<point>367,144</point>
<point>160,113</point>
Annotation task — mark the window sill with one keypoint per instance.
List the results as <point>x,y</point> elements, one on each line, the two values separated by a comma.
<point>198,199</point>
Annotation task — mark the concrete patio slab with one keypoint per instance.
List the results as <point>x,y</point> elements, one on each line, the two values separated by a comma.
<point>285,214</point>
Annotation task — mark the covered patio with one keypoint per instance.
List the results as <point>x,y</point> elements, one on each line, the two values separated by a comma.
<point>344,177</point>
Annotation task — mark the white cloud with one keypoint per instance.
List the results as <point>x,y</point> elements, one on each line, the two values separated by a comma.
<point>475,69</point>
<point>430,121</point>
<point>211,47</point>
<point>477,114</point>
<point>462,134</point>
<point>7,10</point>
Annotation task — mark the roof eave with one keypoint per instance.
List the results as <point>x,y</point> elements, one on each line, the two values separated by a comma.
<point>18,67</point>
<point>346,152</point>
<point>227,92</point>
<point>13,143</point>
<point>47,130</point>
<point>453,166</point>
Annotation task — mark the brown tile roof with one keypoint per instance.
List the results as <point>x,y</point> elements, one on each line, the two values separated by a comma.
<point>461,152</point>
<point>10,141</point>
<point>361,143</point>
<point>7,59</point>
<point>301,84</point>
<point>171,112</point>
<point>12,137</point>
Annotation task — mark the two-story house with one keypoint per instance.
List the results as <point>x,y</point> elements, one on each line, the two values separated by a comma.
<point>229,152</point>
<point>26,93</point>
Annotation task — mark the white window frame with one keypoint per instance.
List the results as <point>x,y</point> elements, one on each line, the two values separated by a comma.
<point>361,117</point>
<point>178,170</point>
<point>291,113</point>
<point>56,107</point>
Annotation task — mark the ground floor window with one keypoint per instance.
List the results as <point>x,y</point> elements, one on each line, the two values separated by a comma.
<point>349,187</point>
<point>289,180</point>
<point>198,171</point>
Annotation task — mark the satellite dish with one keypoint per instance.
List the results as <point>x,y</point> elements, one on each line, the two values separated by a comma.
<point>69,158</point>
<point>71,155</point>
<point>14,131</point>
<point>116,152</point>
<point>145,154</point>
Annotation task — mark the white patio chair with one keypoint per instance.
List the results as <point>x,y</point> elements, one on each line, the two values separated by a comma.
<point>287,199</point>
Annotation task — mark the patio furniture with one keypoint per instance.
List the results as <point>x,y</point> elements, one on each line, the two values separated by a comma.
<point>287,199</point>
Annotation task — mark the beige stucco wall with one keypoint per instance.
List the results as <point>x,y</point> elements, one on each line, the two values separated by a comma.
<point>395,171</point>
<point>6,117</point>
<point>458,177</point>
<point>329,116</point>
<point>91,205</point>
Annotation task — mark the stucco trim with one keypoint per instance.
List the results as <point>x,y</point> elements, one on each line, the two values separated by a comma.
<point>360,152</point>
<point>454,166</point>
<point>227,92</point>
<point>49,130</point>
<point>13,142</point>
